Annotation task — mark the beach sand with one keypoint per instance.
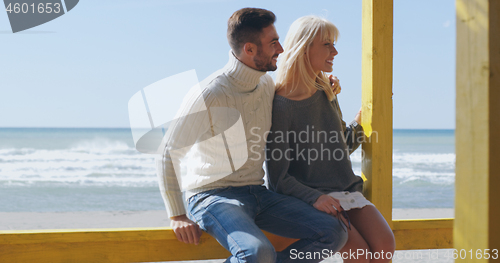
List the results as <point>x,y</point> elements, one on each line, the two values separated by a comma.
<point>124,219</point>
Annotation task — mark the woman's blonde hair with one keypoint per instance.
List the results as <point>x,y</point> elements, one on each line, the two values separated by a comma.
<point>295,65</point>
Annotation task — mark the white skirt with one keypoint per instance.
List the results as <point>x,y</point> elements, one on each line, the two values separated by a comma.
<point>350,200</point>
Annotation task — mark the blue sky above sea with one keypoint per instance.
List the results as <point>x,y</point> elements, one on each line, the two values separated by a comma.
<point>81,69</point>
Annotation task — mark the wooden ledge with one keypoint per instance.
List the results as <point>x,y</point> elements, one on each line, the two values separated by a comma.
<point>160,244</point>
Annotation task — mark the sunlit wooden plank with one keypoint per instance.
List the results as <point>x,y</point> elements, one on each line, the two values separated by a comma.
<point>477,201</point>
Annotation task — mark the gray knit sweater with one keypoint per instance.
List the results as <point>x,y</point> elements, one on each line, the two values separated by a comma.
<point>308,148</point>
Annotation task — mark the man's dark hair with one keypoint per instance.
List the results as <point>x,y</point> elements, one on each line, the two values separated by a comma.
<point>245,25</point>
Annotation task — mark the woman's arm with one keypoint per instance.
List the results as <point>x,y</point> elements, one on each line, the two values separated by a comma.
<point>354,134</point>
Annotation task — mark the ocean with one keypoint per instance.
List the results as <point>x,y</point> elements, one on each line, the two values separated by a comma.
<point>92,169</point>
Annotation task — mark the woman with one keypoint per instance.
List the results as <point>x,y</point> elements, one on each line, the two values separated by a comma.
<point>309,144</point>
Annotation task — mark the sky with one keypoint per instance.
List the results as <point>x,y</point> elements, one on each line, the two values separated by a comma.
<point>81,69</point>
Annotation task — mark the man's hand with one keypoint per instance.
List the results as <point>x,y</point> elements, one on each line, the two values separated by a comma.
<point>186,230</point>
<point>328,205</point>
<point>335,82</point>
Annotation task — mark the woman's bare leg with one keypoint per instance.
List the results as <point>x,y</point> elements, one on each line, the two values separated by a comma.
<point>354,242</point>
<point>375,231</point>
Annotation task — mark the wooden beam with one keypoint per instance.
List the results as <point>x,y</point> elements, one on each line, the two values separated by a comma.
<point>423,233</point>
<point>477,201</point>
<point>160,244</point>
<point>438,238</point>
<point>417,224</point>
<point>377,27</point>
<point>104,245</point>
<point>110,245</point>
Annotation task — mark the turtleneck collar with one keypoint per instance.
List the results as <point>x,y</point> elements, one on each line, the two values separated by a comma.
<point>246,77</point>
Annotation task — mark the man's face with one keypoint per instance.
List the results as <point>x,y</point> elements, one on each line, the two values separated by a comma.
<point>268,50</point>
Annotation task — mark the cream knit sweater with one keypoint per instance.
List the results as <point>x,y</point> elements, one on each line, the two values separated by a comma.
<point>212,164</point>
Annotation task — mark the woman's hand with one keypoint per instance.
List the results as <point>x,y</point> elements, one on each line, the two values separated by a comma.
<point>357,118</point>
<point>335,82</point>
<point>328,205</point>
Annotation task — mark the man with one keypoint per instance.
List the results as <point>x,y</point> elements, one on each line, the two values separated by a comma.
<point>231,204</point>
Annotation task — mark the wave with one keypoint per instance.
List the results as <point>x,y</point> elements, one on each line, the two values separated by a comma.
<point>414,157</point>
<point>87,162</point>
<point>129,182</point>
<point>114,162</point>
<point>415,168</point>
<point>101,146</point>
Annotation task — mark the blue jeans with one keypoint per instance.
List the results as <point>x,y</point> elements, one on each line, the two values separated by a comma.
<point>235,216</point>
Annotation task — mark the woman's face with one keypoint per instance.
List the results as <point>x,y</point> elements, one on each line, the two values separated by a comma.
<point>321,54</point>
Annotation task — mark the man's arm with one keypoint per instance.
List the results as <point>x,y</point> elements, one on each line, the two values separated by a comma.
<point>185,230</point>
<point>182,134</point>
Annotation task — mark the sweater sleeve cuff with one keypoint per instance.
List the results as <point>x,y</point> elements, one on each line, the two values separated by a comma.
<point>175,205</point>
<point>356,126</point>
<point>311,198</point>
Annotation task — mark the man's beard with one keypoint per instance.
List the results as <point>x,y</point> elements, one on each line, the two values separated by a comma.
<point>262,63</point>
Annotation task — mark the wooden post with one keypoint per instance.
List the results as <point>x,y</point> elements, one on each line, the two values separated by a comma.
<point>477,201</point>
<point>377,103</point>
